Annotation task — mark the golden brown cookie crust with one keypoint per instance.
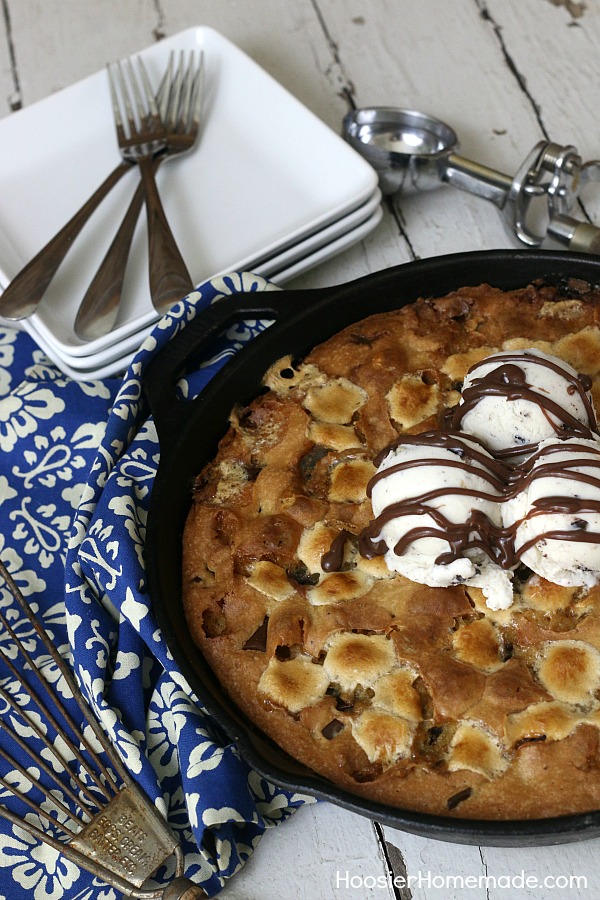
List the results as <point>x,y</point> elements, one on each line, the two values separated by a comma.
<point>417,697</point>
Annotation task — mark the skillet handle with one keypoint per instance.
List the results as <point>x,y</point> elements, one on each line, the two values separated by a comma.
<point>160,376</point>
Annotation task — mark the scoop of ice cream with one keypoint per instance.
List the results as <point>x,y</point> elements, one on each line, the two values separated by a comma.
<point>514,399</point>
<point>436,501</point>
<point>555,516</point>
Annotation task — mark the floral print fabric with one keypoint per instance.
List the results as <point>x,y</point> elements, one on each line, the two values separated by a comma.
<point>77,462</point>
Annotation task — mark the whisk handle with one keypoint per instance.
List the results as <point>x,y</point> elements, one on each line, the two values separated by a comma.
<point>183,889</point>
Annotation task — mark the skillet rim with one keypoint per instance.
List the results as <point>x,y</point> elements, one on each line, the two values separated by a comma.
<point>183,426</point>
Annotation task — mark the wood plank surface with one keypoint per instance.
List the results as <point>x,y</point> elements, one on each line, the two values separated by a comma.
<point>504,74</point>
<point>335,853</point>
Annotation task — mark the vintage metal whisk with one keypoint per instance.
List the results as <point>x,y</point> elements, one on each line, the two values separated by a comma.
<point>62,782</point>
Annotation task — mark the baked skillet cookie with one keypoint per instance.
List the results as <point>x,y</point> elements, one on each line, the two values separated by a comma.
<point>419,697</point>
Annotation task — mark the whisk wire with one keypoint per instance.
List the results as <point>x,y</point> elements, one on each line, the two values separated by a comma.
<point>64,671</point>
<point>92,812</point>
<point>39,762</point>
<point>50,745</point>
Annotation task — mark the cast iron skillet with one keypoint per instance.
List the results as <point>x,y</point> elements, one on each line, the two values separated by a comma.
<point>189,432</point>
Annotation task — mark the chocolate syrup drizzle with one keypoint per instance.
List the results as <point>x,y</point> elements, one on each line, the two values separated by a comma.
<point>505,479</point>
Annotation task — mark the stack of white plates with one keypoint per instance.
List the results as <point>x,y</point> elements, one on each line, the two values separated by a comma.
<point>268,188</point>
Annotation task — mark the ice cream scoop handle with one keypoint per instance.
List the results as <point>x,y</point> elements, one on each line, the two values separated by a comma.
<point>580,237</point>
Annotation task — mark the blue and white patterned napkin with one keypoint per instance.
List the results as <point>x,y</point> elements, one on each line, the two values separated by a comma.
<point>77,463</point>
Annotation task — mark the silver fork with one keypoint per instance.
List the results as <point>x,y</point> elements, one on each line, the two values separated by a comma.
<point>26,290</point>
<point>178,100</point>
<point>141,135</point>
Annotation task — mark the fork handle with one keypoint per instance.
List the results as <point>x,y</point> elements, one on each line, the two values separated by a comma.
<point>170,280</point>
<point>99,308</point>
<point>20,299</point>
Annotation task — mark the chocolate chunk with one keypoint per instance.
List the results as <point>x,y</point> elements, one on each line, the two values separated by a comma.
<point>460,797</point>
<point>301,575</point>
<point>579,523</point>
<point>452,307</point>
<point>358,338</point>
<point>369,773</point>
<point>332,729</point>
<point>535,739</point>
<point>308,462</point>
<point>523,573</point>
<point>567,288</point>
<point>258,640</point>
<point>343,705</point>
<point>214,623</point>
<point>433,733</point>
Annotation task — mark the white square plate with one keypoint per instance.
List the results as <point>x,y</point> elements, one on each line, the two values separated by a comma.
<point>301,250</point>
<point>111,365</point>
<point>265,174</point>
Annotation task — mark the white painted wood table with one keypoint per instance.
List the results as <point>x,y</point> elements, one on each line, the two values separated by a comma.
<point>505,74</point>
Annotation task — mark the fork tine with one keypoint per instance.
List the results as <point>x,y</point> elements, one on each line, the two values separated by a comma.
<point>189,112</point>
<point>164,88</point>
<point>128,101</point>
<point>124,94</point>
<point>139,108</point>
<point>193,73</point>
<point>115,103</point>
<point>150,106</point>
<point>180,95</point>
<point>196,104</point>
<point>177,85</point>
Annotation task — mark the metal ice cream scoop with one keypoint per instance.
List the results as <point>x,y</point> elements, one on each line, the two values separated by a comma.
<point>414,152</point>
